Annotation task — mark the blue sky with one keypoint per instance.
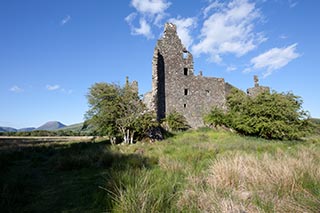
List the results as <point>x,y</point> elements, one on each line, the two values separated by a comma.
<point>52,51</point>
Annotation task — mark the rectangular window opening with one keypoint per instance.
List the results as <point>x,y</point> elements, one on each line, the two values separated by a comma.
<point>184,105</point>
<point>185,55</point>
<point>186,91</point>
<point>185,71</point>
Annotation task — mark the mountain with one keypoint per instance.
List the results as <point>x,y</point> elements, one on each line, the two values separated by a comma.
<point>74,127</point>
<point>7,129</point>
<point>51,125</point>
<point>27,129</point>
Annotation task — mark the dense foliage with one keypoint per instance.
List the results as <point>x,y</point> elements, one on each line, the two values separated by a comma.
<point>268,115</point>
<point>118,112</point>
<point>174,121</point>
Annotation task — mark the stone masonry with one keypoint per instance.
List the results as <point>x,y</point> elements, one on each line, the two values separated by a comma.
<point>175,87</point>
<point>257,89</point>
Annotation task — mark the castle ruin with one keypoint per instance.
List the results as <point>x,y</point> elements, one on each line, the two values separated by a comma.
<point>175,87</point>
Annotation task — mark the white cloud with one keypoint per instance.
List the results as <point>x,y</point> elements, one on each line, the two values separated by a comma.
<point>65,20</point>
<point>184,27</point>
<point>16,89</point>
<point>231,68</point>
<point>66,91</point>
<point>292,3</point>
<point>283,36</point>
<point>129,19</point>
<point>274,59</point>
<point>210,7</point>
<point>151,7</point>
<point>52,87</point>
<point>143,29</point>
<point>229,30</point>
<point>150,12</point>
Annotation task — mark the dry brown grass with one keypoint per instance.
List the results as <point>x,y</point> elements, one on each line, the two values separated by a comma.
<point>251,183</point>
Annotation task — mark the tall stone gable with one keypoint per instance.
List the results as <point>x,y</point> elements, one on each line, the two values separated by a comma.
<point>175,87</point>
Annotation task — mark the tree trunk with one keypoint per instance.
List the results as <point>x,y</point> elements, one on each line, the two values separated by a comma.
<point>128,136</point>
<point>131,138</point>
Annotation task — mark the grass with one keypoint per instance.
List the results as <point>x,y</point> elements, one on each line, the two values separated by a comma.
<point>194,171</point>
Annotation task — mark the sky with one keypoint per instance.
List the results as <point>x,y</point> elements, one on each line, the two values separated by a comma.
<point>53,51</point>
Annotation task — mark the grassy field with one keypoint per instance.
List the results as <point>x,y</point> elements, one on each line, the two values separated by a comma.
<point>195,171</point>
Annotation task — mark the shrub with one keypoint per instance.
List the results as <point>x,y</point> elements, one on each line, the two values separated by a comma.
<point>268,115</point>
<point>216,117</point>
<point>175,122</point>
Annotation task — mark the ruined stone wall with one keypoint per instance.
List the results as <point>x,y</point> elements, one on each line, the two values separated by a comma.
<point>174,85</point>
<point>202,94</point>
<point>257,89</point>
<point>176,88</point>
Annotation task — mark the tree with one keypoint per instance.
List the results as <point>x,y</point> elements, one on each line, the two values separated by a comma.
<point>115,111</point>
<point>174,121</point>
<point>216,117</point>
<point>268,115</point>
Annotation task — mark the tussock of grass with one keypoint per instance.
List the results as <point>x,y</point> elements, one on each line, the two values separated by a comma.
<point>270,183</point>
<point>145,192</point>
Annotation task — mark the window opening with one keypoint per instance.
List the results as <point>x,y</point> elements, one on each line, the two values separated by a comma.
<point>185,55</point>
<point>184,105</point>
<point>186,91</point>
<point>185,71</point>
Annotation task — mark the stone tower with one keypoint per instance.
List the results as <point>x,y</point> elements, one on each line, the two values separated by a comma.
<point>257,89</point>
<point>174,85</point>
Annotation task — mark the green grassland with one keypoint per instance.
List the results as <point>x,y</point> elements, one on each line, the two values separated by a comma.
<point>194,171</point>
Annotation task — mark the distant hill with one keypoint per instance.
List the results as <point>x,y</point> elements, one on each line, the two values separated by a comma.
<point>74,127</point>
<point>7,129</point>
<point>315,120</point>
<point>27,129</point>
<point>51,125</point>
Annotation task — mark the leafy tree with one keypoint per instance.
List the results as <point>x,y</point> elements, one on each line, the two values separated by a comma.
<point>216,117</point>
<point>268,115</point>
<point>174,121</point>
<point>116,111</point>
<point>103,99</point>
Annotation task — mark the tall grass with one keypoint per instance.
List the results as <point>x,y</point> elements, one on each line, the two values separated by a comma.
<point>222,172</point>
<point>194,171</point>
<point>284,182</point>
<point>146,191</point>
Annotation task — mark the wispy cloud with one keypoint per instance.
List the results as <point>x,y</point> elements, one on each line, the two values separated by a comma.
<point>152,7</point>
<point>65,20</point>
<point>52,87</point>
<point>273,59</point>
<point>66,91</point>
<point>150,12</point>
<point>231,68</point>
<point>16,89</point>
<point>184,28</point>
<point>292,3</point>
<point>283,36</point>
<point>210,7</point>
<point>143,29</point>
<point>229,30</point>
<point>59,89</point>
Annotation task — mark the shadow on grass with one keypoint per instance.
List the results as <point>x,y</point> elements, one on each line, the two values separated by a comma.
<point>62,177</point>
